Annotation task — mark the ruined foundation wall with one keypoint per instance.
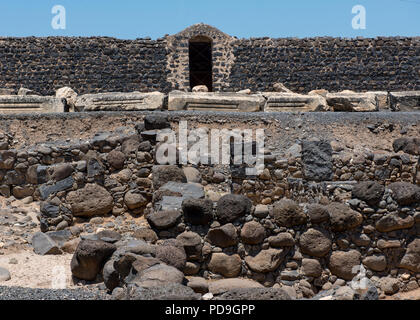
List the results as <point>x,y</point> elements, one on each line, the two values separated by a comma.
<point>330,223</point>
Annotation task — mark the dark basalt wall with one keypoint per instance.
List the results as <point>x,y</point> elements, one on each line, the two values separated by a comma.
<point>327,63</point>
<point>88,65</point>
<point>102,64</point>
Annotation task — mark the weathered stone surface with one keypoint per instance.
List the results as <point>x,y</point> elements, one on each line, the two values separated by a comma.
<point>134,199</point>
<point>252,294</point>
<point>172,255</point>
<point>265,261</point>
<point>46,190</point>
<point>4,275</point>
<point>369,191</point>
<point>341,263</point>
<point>192,174</point>
<point>30,103</point>
<point>227,265</point>
<point>167,291</point>
<point>411,259</point>
<point>166,173</point>
<point>89,258</point>
<point>198,284</point>
<point>287,213</point>
<point>376,262</point>
<point>61,171</point>
<point>354,102</point>
<point>231,207</point>
<point>315,242</point>
<point>191,242</point>
<point>405,193</point>
<point>215,101</point>
<point>410,145</point>
<point>116,159</point>
<point>404,100</point>
<point>43,244</point>
<point>159,275</point>
<point>224,236</point>
<point>223,285</point>
<point>156,122</point>
<point>389,285</point>
<point>164,219</point>
<point>280,87</point>
<point>7,159</point>
<point>252,233</point>
<point>283,239</point>
<point>171,195</point>
<point>317,213</point>
<point>392,222</point>
<point>201,88</point>
<point>145,234</point>
<point>289,102</point>
<point>311,268</point>
<point>342,217</point>
<point>120,101</point>
<point>70,95</point>
<point>198,211</point>
<point>90,201</point>
<point>317,160</point>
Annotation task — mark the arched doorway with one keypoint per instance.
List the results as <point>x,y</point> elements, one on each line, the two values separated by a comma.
<point>200,61</point>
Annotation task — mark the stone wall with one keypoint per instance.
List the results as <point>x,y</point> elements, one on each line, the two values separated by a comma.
<point>325,203</point>
<point>91,65</point>
<point>88,65</point>
<point>334,64</point>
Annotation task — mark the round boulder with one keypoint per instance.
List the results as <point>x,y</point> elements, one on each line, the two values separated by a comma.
<point>265,261</point>
<point>317,213</point>
<point>92,200</point>
<point>232,206</point>
<point>224,236</point>
<point>191,242</point>
<point>252,233</point>
<point>405,193</point>
<point>343,218</point>
<point>287,213</point>
<point>370,192</point>
<point>165,173</point>
<point>172,255</point>
<point>198,211</point>
<point>343,263</point>
<point>164,219</point>
<point>116,159</point>
<point>89,258</point>
<point>311,268</point>
<point>134,199</point>
<point>315,242</point>
<point>226,265</point>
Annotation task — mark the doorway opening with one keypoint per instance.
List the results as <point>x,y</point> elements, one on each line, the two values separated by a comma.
<point>201,66</point>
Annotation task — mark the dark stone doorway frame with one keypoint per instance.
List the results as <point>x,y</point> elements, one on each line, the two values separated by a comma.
<point>201,62</point>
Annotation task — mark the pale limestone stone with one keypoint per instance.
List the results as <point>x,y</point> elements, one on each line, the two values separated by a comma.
<point>215,101</point>
<point>30,104</point>
<point>289,102</point>
<point>120,101</point>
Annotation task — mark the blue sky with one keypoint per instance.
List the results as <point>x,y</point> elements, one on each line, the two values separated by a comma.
<point>130,19</point>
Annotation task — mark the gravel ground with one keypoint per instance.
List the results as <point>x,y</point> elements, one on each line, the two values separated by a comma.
<point>19,293</point>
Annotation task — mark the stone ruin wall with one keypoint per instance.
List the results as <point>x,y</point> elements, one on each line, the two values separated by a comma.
<point>91,65</point>
<point>330,223</point>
